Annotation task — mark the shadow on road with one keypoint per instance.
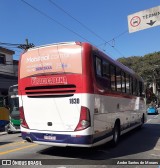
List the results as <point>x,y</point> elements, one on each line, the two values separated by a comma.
<point>8,135</point>
<point>134,142</point>
<point>4,143</point>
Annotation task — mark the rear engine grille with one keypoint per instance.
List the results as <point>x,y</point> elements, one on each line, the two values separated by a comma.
<point>51,91</point>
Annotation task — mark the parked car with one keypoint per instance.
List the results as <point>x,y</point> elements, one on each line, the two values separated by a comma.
<point>152,110</point>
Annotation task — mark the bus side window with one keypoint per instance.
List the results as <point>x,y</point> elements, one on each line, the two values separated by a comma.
<point>131,85</point>
<point>127,83</point>
<point>106,73</point>
<point>141,89</point>
<point>98,66</point>
<point>118,79</point>
<point>135,87</point>
<point>113,77</point>
<point>137,90</point>
<point>123,82</point>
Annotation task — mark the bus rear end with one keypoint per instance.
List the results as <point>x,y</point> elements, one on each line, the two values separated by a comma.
<point>54,108</point>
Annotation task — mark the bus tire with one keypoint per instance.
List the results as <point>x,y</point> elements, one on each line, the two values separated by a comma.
<point>116,134</point>
<point>142,122</point>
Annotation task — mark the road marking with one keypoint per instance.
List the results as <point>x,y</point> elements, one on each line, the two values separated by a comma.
<point>152,118</point>
<point>156,116</point>
<point>17,149</point>
<point>12,144</point>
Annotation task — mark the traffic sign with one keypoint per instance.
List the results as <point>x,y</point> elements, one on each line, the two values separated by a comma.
<point>144,19</point>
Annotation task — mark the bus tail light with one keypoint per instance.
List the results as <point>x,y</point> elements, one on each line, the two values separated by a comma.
<point>84,121</point>
<point>22,118</point>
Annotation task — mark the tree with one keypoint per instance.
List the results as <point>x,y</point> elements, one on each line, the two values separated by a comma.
<point>148,67</point>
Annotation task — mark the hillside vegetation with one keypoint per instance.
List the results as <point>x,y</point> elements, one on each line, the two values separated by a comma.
<point>148,66</point>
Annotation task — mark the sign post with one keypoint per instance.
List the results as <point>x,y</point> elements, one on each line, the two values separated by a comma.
<point>144,19</point>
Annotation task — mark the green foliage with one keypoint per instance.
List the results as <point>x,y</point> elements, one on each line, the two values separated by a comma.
<point>148,66</point>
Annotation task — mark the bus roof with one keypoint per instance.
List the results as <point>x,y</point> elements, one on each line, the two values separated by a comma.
<point>49,45</point>
<point>118,64</point>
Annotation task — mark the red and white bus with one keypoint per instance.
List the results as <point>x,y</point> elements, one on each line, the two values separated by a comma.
<point>72,94</point>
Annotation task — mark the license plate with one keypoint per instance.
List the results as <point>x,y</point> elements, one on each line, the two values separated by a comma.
<point>49,137</point>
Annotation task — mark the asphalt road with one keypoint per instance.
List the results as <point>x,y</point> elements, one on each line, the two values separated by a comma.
<point>138,145</point>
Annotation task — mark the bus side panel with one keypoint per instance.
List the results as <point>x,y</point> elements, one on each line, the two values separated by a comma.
<point>110,108</point>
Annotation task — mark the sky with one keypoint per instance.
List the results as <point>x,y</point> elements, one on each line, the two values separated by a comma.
<point>102,23</point>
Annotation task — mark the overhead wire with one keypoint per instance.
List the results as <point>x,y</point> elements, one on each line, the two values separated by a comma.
<point>12,48</point>
<point>113,39</point>
<point>9,44</point>
<point>83,25</point>
<point>52,19</point>
<point>49,17</point>
<point>119,35</point>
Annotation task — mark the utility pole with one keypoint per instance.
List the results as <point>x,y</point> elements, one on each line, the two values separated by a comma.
<point>26,46</point>
<point>27,42</point>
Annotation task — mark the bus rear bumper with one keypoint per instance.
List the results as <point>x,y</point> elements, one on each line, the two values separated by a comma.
<point>62,140</point>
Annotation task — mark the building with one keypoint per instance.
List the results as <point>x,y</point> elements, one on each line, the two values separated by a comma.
<point>8,70</point>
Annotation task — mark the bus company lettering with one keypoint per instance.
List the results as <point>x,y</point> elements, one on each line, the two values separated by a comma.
<point>46,57</point>
<point>49,80</point>
<point>36,59</point>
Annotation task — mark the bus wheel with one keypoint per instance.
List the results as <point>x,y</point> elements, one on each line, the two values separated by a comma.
<point>142,122</point>
<point>116,134</point>
<point>142,119</point>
